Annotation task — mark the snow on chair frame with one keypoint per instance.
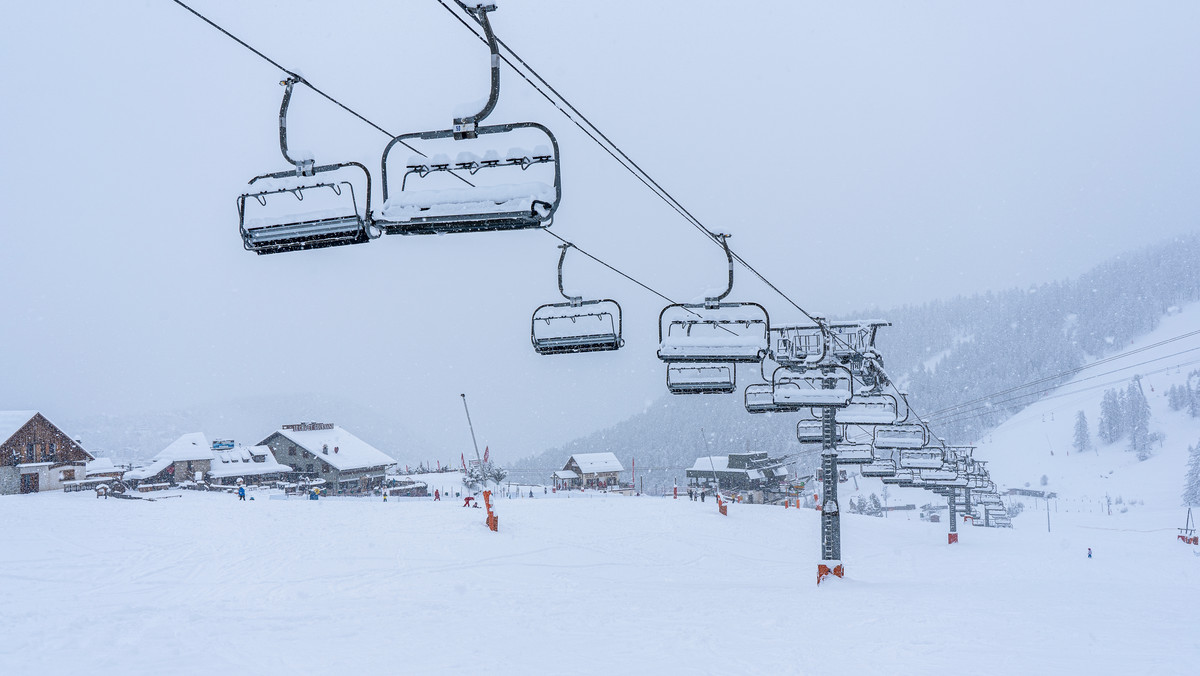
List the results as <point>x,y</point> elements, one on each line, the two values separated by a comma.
<point>922,458</point>
<point>810,432</point>
<point>701,378</point>
<point>714,331</point>
<point>824,386</point>
<point>880,467</point>
<point>481,203</point>
<point>577,325</point>
<point>296,210</point>
<point>760,398</point>
<point>901,436</point>
<point>871,409</point>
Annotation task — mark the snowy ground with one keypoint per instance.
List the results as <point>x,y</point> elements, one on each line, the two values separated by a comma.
<point>204,583</point>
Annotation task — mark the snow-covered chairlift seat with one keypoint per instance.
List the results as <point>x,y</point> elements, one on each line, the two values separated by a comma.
<point>471,208</point>
<point>760,398</point>
<point>701,378</point>
<point>813,387</point>
<point>855,454</point>
<point>869,409</point>
<point>591,326</point>
<point>901,436</point>
<point>809,432</point>
<point>728,332</point>
<point>880,467</point>
<point>922,458</point>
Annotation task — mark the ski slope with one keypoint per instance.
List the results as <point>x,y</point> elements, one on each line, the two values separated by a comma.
<point>1038,441</point>
<point>202,583</point>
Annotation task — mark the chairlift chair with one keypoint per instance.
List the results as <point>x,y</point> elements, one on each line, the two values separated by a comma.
<point>826,385</point>
<point>308,207</point>
<point>577,325</point>
<point>810,432</point>
<point>902,477</point>
<point>808,344</point>
<point>910,435</point>
<point>714,331</point>
<point>922,458</point>
<point>760,398</point>
<point>879,468</point>
<point>870,409</point>
<point>701,378</point>
<point>483,202</point>
<point>855,454</point>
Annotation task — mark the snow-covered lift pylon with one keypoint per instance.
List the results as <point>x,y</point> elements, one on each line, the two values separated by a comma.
<point>577,325</point>
<point>307,207</point>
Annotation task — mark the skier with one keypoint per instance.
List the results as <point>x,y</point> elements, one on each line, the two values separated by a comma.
<point>437,495</point>
<point>241,492</point>
<point>1089,552</point>
<point>702,495</point>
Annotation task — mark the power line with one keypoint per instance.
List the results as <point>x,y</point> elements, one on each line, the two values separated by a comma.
<point>1063,374</point>
<point>972,416</point>
<point>951,413</point>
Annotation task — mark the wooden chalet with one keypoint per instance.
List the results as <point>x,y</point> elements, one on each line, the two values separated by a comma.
<point>35,455</point>
<point>589,470</point>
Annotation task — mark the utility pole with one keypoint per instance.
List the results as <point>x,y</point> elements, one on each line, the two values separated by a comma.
<point>464,398</point>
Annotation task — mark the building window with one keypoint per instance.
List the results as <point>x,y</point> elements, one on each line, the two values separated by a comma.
<point>308,467</point>
<point>307,455</point>
<point>292,450</point>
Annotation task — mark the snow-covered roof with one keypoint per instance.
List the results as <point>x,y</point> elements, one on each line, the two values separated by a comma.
<point>11,421</point>
<point>591,463</point>
<point>719,463</point>
<point>345,451</point>
<point>191,446</point>
<point>566,474</point>
<point>147,471</point>
<point>101,466</point>
<point>241,461</point>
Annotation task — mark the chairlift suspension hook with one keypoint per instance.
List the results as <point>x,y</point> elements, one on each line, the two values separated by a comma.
<point>303,167</point>
<point>465,127</point>
<point>712,303</point>
<point>575,301</point>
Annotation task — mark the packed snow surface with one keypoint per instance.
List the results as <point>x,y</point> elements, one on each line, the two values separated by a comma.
<point>579,583</point>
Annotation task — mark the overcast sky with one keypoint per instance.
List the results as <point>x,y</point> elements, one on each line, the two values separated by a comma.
<point>864,155</point>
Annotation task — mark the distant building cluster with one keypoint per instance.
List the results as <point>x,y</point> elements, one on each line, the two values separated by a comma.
<point>35,456</point>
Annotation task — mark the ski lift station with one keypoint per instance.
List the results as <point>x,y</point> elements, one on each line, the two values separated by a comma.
<point>738,472</point>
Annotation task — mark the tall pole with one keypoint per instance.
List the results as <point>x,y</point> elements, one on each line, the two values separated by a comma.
<point>831,523</point>
<point>472,427</point>
<point>953,535</point>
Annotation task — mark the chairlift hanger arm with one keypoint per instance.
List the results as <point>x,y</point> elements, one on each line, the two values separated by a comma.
<point>574,300</point>
<point>303,167</point>
<point>712,302</point>
<point>465,126</point>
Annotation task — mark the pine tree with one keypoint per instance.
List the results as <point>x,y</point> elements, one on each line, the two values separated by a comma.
<point>1110,414</point>
<point>876,505</point>
<point>1177,397</point>
<point>1191,484</point>
<point>1137,420</point>
<point>1083,440</point>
